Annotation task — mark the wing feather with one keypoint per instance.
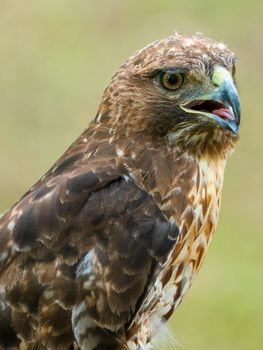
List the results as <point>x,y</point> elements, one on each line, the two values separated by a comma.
<point>84,232</point>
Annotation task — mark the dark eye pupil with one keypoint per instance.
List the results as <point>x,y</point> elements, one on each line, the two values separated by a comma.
<point>172,79</point>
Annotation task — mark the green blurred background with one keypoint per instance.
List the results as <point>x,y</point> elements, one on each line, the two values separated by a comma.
<point>56,58</point>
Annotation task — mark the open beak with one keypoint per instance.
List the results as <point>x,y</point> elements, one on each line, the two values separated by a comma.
<point>222,105</point>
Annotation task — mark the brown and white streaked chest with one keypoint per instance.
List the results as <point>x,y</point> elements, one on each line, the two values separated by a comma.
<point>193,202</point>
<point>197,225</point>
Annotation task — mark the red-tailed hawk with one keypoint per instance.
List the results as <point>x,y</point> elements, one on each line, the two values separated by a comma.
<point>100,251</point>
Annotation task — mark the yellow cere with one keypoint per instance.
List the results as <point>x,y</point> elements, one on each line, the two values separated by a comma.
<point>221,75</point>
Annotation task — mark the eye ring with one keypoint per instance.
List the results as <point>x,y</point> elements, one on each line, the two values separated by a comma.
<point>171,81</point>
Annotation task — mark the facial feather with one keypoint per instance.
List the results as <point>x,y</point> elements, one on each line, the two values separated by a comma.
<point>135,104</point>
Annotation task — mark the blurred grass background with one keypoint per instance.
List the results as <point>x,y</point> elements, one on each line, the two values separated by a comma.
<point>56,57</point>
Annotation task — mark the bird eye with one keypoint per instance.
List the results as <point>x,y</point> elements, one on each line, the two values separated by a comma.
<point>171,81</point>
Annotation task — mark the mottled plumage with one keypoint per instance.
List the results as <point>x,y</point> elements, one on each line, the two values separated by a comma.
<point>101,250</point>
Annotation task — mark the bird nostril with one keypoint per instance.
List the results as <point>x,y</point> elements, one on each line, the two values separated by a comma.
<point>215,84</point>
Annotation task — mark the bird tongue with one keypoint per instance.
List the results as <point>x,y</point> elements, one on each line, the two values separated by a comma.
<point>224,113</point>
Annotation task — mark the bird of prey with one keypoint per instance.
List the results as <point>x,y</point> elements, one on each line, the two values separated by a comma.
<point>102,249</point>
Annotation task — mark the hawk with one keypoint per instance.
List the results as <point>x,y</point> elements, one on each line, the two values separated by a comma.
<point>102,249</point>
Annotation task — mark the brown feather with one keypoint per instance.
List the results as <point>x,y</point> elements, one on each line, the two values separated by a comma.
<point>102,249</point>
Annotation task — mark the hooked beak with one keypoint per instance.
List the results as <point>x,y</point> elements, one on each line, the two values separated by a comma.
<point>222,105</point>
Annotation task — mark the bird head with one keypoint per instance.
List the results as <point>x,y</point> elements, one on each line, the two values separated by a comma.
<point>179,91</point>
